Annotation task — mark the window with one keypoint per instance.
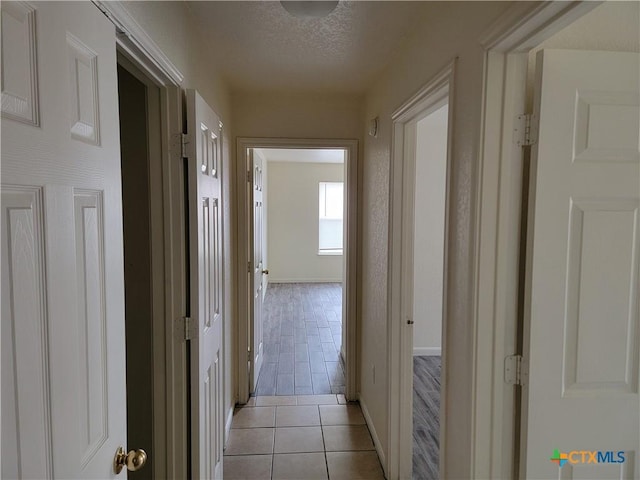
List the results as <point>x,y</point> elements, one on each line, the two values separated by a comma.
<point>330,218</point>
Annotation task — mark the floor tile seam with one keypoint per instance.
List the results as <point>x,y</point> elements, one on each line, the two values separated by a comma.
<point>248,455</point>
<point>249,428</point>
<point>273,449</point>
<point>324,445</point>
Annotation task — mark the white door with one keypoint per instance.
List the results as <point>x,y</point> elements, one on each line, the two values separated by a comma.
<point>205,259</point>
<point>256,270</point>
<point>581,398</point>
<point>63,350</point>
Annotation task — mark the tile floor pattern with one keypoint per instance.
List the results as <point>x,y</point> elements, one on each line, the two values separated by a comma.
<point>300,438</point>
<point>302,338</point>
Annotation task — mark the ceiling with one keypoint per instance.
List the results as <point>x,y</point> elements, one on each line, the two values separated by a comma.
<point>259,46</point>
<point>303,155</point>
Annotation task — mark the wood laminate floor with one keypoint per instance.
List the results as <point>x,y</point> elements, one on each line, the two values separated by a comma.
<point>426,417</point>
<point>302,335</point>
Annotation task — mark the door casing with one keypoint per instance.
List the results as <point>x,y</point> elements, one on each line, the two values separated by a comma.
<point>170,406</point>
<point>350,296</point>
<point>438,92</point>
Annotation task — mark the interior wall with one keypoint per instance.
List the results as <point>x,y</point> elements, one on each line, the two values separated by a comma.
<point>449,31</point>
<point>428,241</point>
<point>171,25</point>
<point>297,115</point>
<point>132,95</point>
<point>292,230</point>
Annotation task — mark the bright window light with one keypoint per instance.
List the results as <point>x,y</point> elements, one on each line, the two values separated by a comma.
<point>331,209</point>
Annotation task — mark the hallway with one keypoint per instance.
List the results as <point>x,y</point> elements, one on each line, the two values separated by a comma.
<point>302,338</point>
<point>300,437</point>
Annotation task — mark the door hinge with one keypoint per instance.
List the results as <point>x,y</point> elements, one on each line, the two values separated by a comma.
<point>190,329</point>
<point>248,176</point>
<point>248,267</point>
<point>184,141</point>
<point>248,355</point>
<point>525,132</point>
<point>515,370</point>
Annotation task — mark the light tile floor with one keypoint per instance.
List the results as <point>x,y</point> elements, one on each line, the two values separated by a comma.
<point>300,438</point>
<point>302,339</point>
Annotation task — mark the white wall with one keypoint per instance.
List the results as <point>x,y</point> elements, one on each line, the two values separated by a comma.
<point>292,228</point>
<point>428,240</point>
<point>449,30</point>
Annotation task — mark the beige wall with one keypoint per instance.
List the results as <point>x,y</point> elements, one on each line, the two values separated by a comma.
<point>450,30</point>
<point>428,239</point>
<point>293,223</point>
<point>172,26</point>
<point>297,115</point>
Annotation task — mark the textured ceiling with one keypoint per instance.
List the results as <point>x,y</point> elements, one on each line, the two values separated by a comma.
<point>259,46</point>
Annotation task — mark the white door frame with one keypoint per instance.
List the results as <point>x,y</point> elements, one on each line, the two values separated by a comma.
<point>171,457</point>
<point>498,192</point>
<point>351,253</point>
<point>433,95</point>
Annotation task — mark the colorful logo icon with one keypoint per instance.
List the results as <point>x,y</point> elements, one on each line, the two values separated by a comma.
<point>587,456</point>
<point>559,458</point>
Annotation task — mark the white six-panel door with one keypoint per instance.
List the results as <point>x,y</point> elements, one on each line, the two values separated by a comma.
<point>582,393</point>
<point>205,253</point>
<point>63,351</point>
<point>256,275</point>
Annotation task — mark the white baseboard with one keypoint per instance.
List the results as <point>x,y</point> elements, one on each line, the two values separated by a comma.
<point>227,426</point>
<point>374,435</point>
<point>305,280</point>
<point>427,351</point>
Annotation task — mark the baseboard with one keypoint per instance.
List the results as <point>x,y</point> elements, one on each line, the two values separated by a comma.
<point>305,280</point>
<point>427,351</point>
<point>227,426</point>
<point>374,435</point>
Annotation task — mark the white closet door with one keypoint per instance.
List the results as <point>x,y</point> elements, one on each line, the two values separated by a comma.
<point>63,351</point>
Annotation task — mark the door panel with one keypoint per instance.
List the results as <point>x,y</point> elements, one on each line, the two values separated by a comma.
<point>205,252</point>
<point>256,275</point>
<point>24,337</point>
<point>582,393</point>
<point>63,368</point>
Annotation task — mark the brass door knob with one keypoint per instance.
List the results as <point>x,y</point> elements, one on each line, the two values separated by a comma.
<point>265,272</point>
<point>134,460</point>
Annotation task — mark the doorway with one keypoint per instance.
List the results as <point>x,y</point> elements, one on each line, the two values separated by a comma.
<point>428,287</point>
<point>504,298</point>
<point>300,232</point>
<point>254,172</point>
<point>418,279</point>
<point>140,144</point>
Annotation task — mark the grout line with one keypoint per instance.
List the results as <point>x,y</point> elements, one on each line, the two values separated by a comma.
<point>273,449</point>
<point>324,445</point>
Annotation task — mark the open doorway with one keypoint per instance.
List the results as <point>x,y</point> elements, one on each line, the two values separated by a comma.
<point>428,287</point>
<point>300,232</point>
<point>418,283</point>
<point>140,143</point>
<point>300,204</point>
